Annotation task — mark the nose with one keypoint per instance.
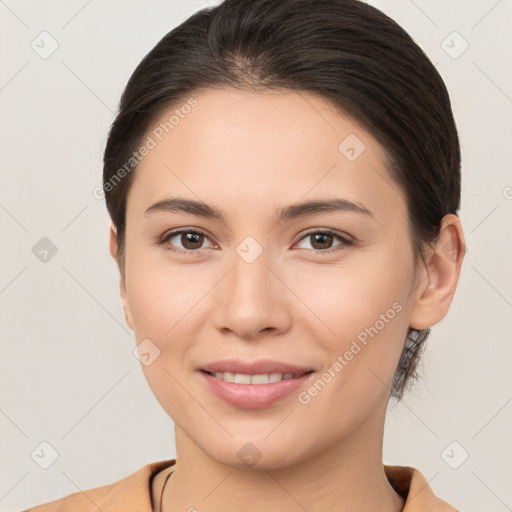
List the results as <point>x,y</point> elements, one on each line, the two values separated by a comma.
<point>251,300</point>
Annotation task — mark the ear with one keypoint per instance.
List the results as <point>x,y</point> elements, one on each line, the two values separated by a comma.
<point>114,251</point>
<point>438,278</point>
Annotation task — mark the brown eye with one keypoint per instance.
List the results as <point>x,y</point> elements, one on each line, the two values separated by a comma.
<point>323,241</point>
<point>191,240</point>
<point>187,240</point>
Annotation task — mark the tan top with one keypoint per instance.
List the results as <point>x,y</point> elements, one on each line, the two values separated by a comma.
<point>134,493</point>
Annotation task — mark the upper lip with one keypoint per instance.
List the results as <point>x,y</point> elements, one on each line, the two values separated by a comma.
<point>259,367</point>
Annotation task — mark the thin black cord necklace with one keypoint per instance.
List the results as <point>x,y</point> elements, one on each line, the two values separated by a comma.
<point>163,487</point>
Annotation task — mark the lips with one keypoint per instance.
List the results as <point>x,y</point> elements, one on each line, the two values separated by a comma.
<point>256,384</point>
<point>263,366</point>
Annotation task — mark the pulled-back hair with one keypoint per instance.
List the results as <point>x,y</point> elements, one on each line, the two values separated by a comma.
<point>344,51</point>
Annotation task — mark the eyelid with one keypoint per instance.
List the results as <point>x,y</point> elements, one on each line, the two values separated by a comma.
<point>345,239</point>
<point>179,231</point>
<point>339,234</point>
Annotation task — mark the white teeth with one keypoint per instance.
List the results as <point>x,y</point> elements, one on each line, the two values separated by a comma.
<point>260,379</point>
<point>243,378</point>
<point>228,377</point>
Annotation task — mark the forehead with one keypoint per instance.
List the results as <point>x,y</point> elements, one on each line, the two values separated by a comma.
<point>258,149</point>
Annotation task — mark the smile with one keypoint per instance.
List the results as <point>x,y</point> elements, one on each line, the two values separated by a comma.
<point>244,378</point>
<point>257,391</point>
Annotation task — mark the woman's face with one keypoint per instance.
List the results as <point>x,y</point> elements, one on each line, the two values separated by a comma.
<point>328,290</point>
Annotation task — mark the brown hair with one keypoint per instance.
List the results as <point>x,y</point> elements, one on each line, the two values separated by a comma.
<point>344,51</point>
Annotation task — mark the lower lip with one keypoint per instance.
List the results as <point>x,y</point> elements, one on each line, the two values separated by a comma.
<point>253,396</point>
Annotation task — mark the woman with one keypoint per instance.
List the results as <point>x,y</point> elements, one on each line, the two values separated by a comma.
<point>283,179</point>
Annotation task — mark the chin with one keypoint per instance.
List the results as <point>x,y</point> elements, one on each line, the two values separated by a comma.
<point>257,453</point>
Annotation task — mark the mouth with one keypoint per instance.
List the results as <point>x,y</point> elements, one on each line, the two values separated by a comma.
<point>251,390</point>
<point>257,379</point>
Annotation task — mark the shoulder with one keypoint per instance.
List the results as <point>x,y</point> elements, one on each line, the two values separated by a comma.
<point>413,486</point>
<point>132,493</point>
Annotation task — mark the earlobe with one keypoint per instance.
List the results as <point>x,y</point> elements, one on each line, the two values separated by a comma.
<point>438,280</point>
<point>126,306</point>
<point>113,242</point>
<point>114,251</point>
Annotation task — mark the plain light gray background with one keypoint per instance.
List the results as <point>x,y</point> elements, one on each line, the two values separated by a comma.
<point>68,376</point>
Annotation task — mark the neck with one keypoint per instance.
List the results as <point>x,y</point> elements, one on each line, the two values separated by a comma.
<point>348,476</point>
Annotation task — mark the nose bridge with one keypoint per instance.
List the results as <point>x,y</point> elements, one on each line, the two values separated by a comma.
<point>251,297</point>
<point>250,280</point>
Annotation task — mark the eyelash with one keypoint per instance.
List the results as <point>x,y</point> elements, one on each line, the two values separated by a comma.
<point>344,241</point>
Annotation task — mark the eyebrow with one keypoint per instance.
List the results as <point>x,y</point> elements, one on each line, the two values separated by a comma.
<point>293,211</point>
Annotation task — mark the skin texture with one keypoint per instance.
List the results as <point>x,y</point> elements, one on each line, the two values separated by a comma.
<point>250,154</point>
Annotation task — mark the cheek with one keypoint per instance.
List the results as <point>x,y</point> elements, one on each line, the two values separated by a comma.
<point>363,312</point>
<point>162,296</point>
<point>351,297</point>
<point>164,301</point>
<point>368,315</point>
